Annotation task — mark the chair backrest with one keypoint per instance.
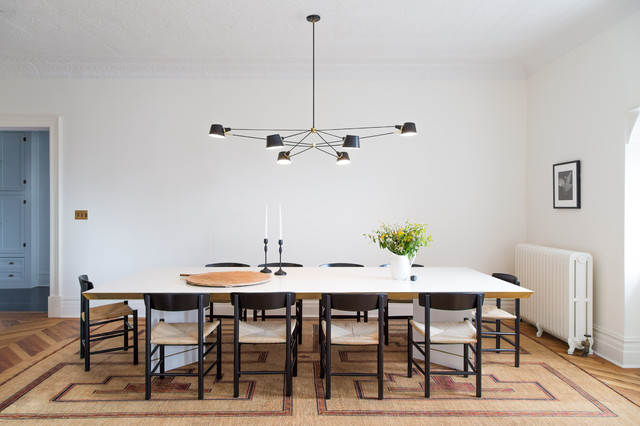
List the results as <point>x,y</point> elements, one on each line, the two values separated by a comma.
<point>413,265</point>
<point>507,277</point>
<point>451,301</point>
<point>176,301</point>
<point>85,284</point>
<point>263,301</point>
<point>284,265</point>
<point>354,302</point>
<point>227,265</point>
<point>341,265</point>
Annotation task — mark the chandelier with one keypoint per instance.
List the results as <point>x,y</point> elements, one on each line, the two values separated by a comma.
<point>331,141</point>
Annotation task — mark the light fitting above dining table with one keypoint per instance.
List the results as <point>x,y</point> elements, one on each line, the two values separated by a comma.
<point>331,141</point>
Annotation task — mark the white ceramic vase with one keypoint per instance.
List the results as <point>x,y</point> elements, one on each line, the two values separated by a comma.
<point>400,267</point>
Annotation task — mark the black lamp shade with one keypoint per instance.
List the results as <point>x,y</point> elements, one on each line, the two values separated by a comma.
<point>274,141</point>
<point>343,159</point>
<point>408,129</point>
<point>217,131</point>
<point>351,142</point>
<point>284,157</point>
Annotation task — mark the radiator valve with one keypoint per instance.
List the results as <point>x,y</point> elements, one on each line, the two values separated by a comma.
<point>586,345</point>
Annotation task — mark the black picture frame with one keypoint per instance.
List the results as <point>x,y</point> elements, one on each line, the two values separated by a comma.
<point>566,185</point>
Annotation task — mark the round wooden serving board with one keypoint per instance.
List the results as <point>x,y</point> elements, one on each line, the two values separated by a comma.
<point>228,279</point>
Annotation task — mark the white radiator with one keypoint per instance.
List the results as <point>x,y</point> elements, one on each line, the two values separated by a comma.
<point>562,281</point>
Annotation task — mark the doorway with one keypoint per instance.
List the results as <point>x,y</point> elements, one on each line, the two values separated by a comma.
<point>24,220</point>
<point>48,270</point>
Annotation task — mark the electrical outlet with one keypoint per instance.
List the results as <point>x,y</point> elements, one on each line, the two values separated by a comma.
<point>82,215</point>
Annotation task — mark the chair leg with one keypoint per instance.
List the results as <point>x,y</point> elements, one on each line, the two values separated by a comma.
<point>478,366</point>
<point>427,368</point>
<point>219,352</point>
<point>299,320</point>
<point>295,359</point>
<point>327,369</point>
<point>81,339</point>
<point>147,369</point>
<point>125,332</point>
<point>236,369</point>
<point>162,361</point>
<point>366,316</point>
<point>135,337</point>
<point>409,350</point>
<point>386,324</point>
<point>498,338</point>
<point>87,346</point>
<point>322,351</point>
<point>380,370</point>
<point>465,359</point>
<point>517,336</point>
<point>200,371</point>
<point>287,375</point>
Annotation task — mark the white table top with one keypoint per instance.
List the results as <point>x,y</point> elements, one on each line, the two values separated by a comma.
<point>310,282</point>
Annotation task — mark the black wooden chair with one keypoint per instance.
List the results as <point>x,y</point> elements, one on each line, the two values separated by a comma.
<point>269,332</point>
<point>350,333</point>
<point>298,314</point>
<point>180,334</point>
<point>387,317</point>
<point>224,265</point>
<point>358,314</point>
<point>447,333</point>
<point>105,314</point>
<point>494,314</point>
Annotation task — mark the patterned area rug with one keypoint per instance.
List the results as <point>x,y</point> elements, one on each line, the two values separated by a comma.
<point>545,389</point>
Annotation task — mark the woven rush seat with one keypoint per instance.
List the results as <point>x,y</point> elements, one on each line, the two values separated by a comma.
<point>448,332</point>
<point>492,312</point>
<point>264,332</point>
<point>113,310</point>
<point>352,333</point>
<point>184,333</point>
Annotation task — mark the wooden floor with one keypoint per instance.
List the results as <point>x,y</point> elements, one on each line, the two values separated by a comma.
<point>25,334</point>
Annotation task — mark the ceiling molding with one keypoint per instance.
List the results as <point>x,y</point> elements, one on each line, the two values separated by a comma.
<point>105,68</point>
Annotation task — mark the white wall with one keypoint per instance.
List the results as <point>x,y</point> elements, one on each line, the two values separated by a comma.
<point>577,111</point>
<point>159,191</point>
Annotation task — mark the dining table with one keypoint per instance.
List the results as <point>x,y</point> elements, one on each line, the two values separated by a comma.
<point>309,283</point>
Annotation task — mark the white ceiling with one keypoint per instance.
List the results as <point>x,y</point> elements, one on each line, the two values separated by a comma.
<point>272,39</point>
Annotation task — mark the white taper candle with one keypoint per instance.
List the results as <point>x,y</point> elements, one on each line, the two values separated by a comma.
<point>266,221</point>
<point>280,215</point>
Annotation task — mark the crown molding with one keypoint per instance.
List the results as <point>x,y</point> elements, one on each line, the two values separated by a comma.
<point>97,68</point>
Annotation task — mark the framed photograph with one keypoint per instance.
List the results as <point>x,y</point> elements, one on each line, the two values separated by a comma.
<point>566,185</point>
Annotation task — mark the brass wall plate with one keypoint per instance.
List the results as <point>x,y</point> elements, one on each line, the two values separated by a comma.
<point>82,215</point>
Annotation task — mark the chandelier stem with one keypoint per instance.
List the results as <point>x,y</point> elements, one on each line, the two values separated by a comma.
<point>313,97</point>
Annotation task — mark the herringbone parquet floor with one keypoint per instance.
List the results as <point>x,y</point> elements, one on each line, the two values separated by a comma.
<point>26,334</point>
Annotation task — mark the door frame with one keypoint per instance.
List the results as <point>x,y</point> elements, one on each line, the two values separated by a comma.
<point>51,123</point>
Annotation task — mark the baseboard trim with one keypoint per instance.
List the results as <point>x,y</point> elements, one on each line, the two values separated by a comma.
<point>623,352</point>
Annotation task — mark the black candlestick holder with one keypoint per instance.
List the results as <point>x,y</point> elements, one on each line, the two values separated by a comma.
<point>265,270</point>
<point>280,271</point>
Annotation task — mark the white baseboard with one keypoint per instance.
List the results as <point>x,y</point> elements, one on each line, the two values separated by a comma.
<point>624,352</point>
